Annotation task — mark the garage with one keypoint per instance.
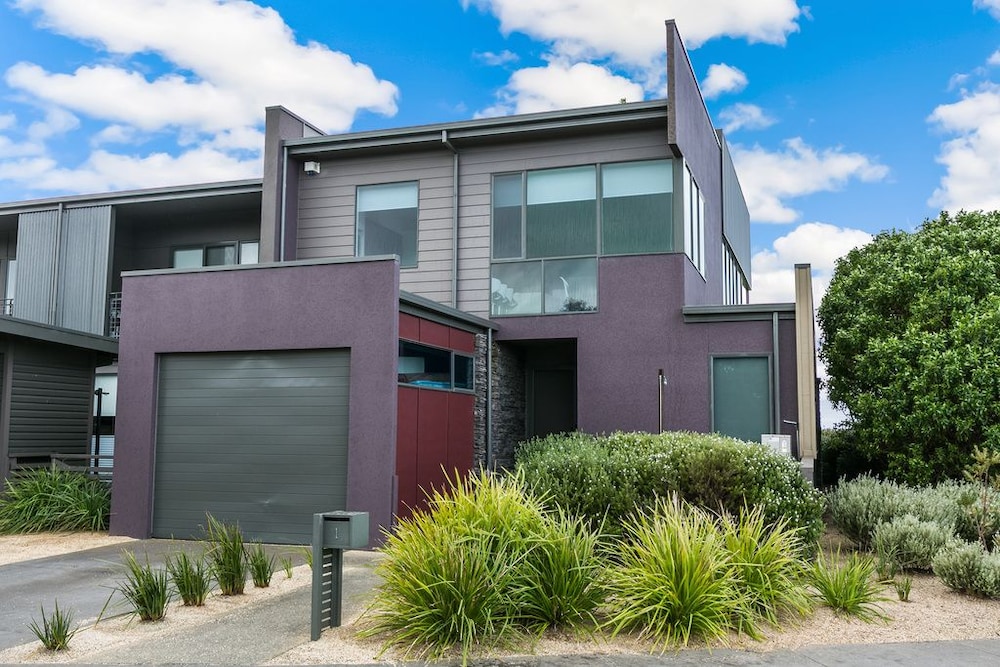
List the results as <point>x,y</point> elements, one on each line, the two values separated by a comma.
<point>255,437</point>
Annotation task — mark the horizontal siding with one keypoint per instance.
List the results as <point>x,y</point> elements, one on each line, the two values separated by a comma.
<point>326,222</point>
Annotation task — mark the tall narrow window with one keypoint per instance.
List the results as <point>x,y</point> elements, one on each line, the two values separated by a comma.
<point>507,216</point>
<point>561,216</point>
<point>636,202</point>
<point>388,221</point>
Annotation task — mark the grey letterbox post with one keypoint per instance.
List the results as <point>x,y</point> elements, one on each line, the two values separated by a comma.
<point>332,533</point>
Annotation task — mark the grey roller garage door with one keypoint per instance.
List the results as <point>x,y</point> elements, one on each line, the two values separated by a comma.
<point>259,438</point>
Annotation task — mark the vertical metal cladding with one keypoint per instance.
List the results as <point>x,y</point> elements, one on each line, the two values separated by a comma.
<point>735,214</point>
<point>83,270</point>
<point>37,255</point>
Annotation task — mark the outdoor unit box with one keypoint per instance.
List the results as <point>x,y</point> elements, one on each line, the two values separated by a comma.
<point>345,530</point>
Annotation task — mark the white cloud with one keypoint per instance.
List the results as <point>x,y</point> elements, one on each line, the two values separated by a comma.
<point>108,171</point>
<point>242,57</point>
<point>631,31</point>
<point>114,134</point>
<point>722,79</point>
<point>744,117</point>
<point>992,6</point>
<point>771,177</point>
<point>994,59</point>
<point>562,86</point>
<point>972,157</point>
<point>7,121</point>
<point>57,122</point>
<point>816,243</point>
<point>496,59</point>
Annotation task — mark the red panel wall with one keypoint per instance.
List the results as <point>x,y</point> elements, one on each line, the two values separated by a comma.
<point>435,429</point>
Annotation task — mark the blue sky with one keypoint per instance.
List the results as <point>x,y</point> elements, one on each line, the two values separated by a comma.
<point>845,117</point>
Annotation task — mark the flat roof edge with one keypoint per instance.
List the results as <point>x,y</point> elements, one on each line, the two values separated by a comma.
<point>164,193</point>
<point>50,334</point>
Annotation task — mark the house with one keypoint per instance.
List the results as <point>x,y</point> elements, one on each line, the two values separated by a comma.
<point>383,307</point>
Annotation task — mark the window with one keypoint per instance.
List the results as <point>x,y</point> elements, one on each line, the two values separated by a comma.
<point>694,222</point>
<point>216,254</point>
<point>388,221</point>
<point>734,287</point>
<point>431,367</point>
<point>550,225</point>
<point>636,205</point>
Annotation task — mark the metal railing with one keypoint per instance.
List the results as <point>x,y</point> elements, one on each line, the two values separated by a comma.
<point>89,464</point>
<point>8,307</point>
<point>115,314</point>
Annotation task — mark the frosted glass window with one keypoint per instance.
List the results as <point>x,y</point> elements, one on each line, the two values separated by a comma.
<point>249,252</point>
<point>388,221</point>
<point>507,215</point>
<point>516,288</point>
<point>636,207</point>
<point>570,285</point>
<point>561,214</point>
<point>188,258</point>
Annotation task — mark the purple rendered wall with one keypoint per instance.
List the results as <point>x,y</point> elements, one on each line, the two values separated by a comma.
<point>267,307</point>
<point>639,328</point>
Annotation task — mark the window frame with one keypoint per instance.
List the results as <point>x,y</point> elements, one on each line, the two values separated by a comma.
<point>453,354</point>
<point>359,236</point>
<point>237,245</point>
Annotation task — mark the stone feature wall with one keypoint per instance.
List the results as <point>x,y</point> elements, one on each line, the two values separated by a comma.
<point>509,404</point>
<point>479,442</point>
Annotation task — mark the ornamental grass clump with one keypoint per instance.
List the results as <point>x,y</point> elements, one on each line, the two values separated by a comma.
<point>260,564</point>
<point>226,555</point>
<point>849,588</point>
<point>49,499</point>
<point>676,579</point>
<point>56,629</point>
<point>191,577</point>
<point>146,590</point>
<point>481,567</point>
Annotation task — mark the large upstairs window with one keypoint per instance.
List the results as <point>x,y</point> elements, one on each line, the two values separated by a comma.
<point>216,254</point>
<point>388,220</point>
<point>549,227</point>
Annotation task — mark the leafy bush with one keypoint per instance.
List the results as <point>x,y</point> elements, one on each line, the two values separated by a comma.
<point>49,499</point>
<point>55,632</point>
<point>226,555</point>
<point>145,589</point>
<point>849,588</point>
<point>605,478</point>
<point>968,568</point>
<point>843,457</point>
<point>482,565</point>
<point>191,577</point>
<point>909,543</point>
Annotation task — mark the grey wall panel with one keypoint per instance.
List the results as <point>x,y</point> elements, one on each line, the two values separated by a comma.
<point>50,403</point>
<point>326,213</point>
<point>37,252</point>
<point>254,437</point>
<point>82,276</point>
<point>735,214</point>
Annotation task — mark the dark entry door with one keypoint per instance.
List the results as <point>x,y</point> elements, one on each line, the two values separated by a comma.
<point>553,406</point>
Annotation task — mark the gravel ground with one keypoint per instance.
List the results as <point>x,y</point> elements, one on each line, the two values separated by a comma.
<point>934,612</point>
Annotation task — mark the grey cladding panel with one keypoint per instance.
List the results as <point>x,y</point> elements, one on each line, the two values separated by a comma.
<point>50,403</point>
<point>84,255</point>
<point>37,251</point>
<point>735,215</point>
<point>259,438</point>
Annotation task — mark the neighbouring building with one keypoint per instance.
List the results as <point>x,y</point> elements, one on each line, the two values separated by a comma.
<point>383,308</point>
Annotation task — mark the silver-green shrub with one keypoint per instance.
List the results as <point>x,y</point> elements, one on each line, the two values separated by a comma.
<point>968,568</point>
<point>859,506</point>
<point>909,543</point>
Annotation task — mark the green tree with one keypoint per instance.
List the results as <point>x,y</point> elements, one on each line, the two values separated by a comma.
<point>911,339</point>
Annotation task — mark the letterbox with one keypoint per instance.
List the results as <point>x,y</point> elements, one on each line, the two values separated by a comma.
<point>345,530</point>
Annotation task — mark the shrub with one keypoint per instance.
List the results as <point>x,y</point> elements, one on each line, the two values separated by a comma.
<point>968,568</point>
<point>191,577</point>
<point>145,589</point>
<point>849,588</point>
<point>842,457</point>
<point>55,632</point>
<point>605,478</point>
<point>261,565</point>
<point>859,506</point>
<point>49,499</point>
<point>909,543</point>
<point>226,555</point>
